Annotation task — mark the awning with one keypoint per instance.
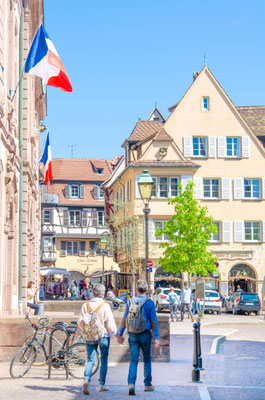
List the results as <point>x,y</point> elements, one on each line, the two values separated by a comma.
<point>47,271</point>
<point>106,273</point>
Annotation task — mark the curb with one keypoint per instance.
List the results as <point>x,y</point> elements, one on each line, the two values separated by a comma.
<point>220,339</point>
<point>256,322</point>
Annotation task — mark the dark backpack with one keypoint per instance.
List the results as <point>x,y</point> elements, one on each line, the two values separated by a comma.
<point>136,319</point>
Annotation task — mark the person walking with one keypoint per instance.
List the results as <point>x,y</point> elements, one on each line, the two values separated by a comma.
<point>239,289</point>
<point>31,299</point>
<point>185,301</point>
<point>97,323</point>
<point>140,318</point>
<point>173,303</point>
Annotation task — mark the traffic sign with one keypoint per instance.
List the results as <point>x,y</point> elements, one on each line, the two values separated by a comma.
<point>150,263</point>
<point>150,269</point>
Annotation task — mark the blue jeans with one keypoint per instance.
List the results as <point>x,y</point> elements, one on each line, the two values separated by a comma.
<point>139,341</point>
<point>92,349</point>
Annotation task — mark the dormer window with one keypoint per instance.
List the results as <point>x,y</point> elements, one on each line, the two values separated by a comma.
<point>74,191</point>
<point>205,103</point>
<point>98,192</point>
<point>99,171</point>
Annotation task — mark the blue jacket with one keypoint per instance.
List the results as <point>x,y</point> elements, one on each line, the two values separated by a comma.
<point>150,312</point>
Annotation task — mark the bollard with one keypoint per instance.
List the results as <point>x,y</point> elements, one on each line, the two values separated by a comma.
<point>199,345</point>
<point>196,370</point>
<point>59,327</point>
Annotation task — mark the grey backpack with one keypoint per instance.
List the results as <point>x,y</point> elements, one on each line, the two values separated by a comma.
<point>136,319</point>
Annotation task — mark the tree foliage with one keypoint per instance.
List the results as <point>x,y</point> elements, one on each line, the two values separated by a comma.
<point>188,232</point>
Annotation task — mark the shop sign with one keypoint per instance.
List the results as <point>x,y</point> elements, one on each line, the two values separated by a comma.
<point>234,255</point>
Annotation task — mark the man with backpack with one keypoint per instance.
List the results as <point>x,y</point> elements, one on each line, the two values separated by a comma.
<point>185,300</point>
<point>97,323</point>
<point>140,318</point>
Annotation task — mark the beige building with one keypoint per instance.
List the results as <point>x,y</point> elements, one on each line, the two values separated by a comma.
<point>218,145</point>
<point>12,129</point>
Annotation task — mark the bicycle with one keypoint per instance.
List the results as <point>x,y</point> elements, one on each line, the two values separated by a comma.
<point>26,355</point>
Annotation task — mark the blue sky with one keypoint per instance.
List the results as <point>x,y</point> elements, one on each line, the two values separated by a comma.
<point>122,56</point>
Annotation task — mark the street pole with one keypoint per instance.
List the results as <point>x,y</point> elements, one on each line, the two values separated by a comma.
<point>146,211</point>
<point>103,269</point>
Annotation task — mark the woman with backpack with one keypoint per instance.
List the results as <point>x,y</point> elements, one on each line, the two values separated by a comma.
<point>97,323</point>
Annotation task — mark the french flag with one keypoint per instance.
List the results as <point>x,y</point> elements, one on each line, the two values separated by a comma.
<point>46,159</point>
<point>43,61</point>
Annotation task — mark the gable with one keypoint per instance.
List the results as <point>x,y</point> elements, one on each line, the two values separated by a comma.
<point>190,119</point>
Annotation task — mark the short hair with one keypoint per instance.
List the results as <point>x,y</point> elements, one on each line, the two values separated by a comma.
<point>172,288</point>
<point>142,286</point>
<point>98,290</point>
<point>185,283</point>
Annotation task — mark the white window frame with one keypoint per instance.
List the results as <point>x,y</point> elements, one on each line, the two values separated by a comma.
<point>103,218</point>
<point>211,188</point>
<point>199,155</point>
<point>162,197</point>
<point>154,186</point>
<point>239,152</point>
<point>219,233</point>
<point>163,236</point>
<point>48,211</point>
<point>252,231</point>
<point>72,186</point>
<point>208,103</point>
<point>170,186</point>
<point>74,212</point>
<point>47,244</point>
<point>251,197</point>
<point>72,244</point>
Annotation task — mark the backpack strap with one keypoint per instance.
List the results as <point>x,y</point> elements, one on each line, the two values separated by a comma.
<point>88,308</point>
<point>99,307</point>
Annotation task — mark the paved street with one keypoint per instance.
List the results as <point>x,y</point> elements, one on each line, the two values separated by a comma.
<point>237,371</point>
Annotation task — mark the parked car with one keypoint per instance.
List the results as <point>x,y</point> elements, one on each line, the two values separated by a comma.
<point>243,302</point>
<point>160,298</point>
<point>213,302</point>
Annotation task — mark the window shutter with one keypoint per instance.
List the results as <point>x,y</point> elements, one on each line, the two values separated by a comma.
<point>65,218</point>
<point>227,231</point>
<point>187,141</point>
<point>126,192</point>
<point>42,215</point>
<point>82,191</point>
<point>226,188</point>
<point>263,188</point>
<point>221,146</point>
<point>238,188</point>
<point>52,216</point>
<point>137,192</point>
<point>212,146</point>
<point>263,231</point>
<point>198,188</point>
<point>238,231</point>
<point>185,179</point>
<point>129,190</point>
<point>84,218</point>
<point>245,147</point>
<point>94,218</point>
<point>67,191</point>
<point>96,191</point>
<point>63,248</point>
<point>151,230</point>
<point>82,249</point>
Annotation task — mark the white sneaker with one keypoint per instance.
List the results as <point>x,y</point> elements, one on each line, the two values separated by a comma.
<point>102,388</point>
<point>86,386</point>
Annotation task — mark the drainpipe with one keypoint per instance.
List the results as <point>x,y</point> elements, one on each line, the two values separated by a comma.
<point>21,67</point>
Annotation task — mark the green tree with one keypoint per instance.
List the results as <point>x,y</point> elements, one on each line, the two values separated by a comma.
<point>188,232</point>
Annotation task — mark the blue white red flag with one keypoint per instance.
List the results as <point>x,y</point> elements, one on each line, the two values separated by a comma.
<point>46,159</point>
<point>43,61</point>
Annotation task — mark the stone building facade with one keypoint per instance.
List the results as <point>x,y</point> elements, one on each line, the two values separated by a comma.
<point>12,38</point>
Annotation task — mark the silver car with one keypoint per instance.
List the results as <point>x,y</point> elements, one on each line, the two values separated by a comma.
<point>160,298</point>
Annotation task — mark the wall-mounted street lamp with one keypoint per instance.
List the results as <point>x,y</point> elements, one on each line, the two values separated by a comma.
<point>145,184</point>
<point>103,246</point>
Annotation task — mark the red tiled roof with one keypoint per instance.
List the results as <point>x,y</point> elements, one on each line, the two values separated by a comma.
<point>144,129</point>
<point>162,136</point>
<point>254,117</point>
<point>59,188</point>
<point>169,163</point>
<point>75,169</point>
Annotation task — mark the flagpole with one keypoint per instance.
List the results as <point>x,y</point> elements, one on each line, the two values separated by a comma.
<point>23,70</point>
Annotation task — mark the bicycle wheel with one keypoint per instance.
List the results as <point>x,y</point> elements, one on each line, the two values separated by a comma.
<point>78,359</point>
<point>40,357</point>
<point>22,361</point>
